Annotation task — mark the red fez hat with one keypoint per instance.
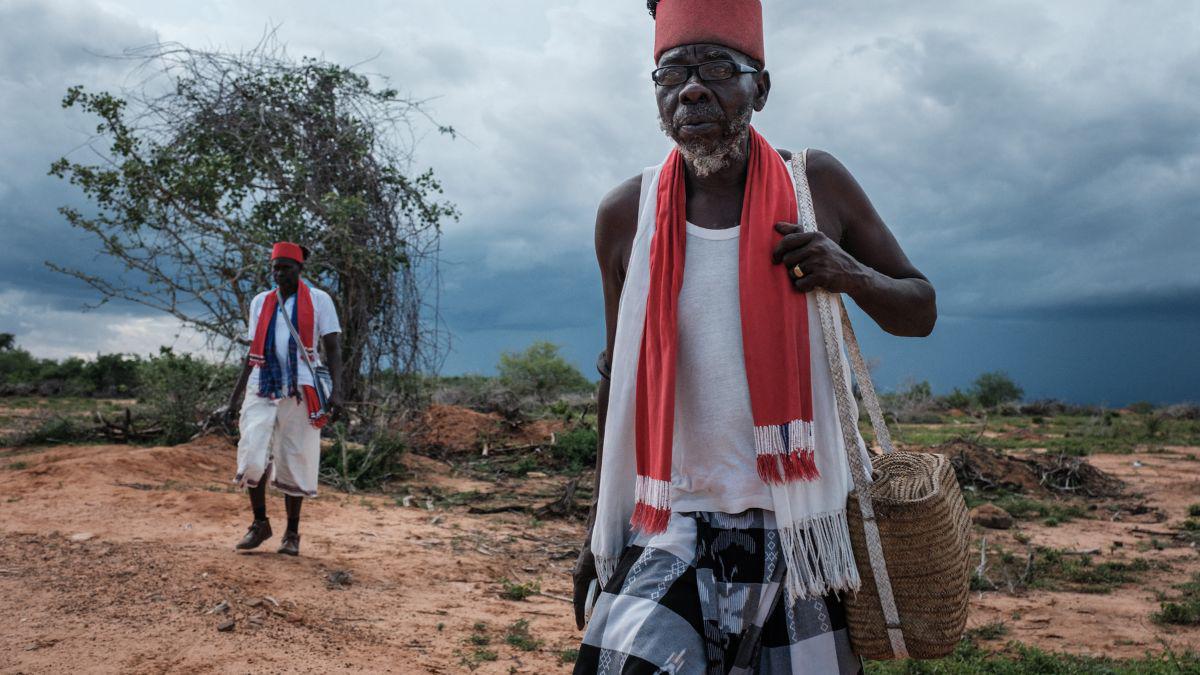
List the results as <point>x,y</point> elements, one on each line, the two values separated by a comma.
<point>286,249</point>
<point>733,23</point>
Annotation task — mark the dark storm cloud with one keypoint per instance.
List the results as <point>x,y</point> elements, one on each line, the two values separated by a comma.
<point>1039,162</point>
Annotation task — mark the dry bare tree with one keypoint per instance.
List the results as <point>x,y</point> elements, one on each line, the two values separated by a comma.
<point>212,156</point>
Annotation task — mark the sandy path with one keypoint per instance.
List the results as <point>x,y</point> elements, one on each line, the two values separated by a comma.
<point>112,556</point>
<point>134,596</point>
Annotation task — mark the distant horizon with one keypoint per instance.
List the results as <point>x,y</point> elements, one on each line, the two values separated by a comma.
<point>874,362</point>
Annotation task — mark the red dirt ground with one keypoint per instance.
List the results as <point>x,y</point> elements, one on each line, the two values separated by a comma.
<point>112,558</point>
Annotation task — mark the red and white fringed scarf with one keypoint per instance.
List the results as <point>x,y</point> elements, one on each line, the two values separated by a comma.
<point>774,337</point>
<point>263,355</point>
<point>800,453</point>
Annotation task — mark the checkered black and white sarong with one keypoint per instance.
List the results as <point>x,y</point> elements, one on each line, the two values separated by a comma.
<point>680,600</point>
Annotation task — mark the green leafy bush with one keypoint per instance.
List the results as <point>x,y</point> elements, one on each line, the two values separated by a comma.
<point>179,391</point>
<point>350,466</point>
<point>541,372</point>
<point>57,429</point>
<point>576,448</point>
<point>995,388</point>
<point>957,399</point>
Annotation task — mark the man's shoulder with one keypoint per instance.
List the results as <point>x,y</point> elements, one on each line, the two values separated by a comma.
<point>616,218</point>
<point>823,165</point>
<point>261,297</point>
<point>622,200</point>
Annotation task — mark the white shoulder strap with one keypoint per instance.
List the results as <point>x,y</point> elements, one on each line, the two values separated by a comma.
<point>859,472</point>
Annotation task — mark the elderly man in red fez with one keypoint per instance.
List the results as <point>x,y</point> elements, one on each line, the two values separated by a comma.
<point>281,420</point>
<point>723,474</point>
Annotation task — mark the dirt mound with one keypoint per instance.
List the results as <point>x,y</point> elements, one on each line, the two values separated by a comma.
<point>1036,474</point>
<point>990,470</point>
<point>451,429</point>
<point>454,429</point>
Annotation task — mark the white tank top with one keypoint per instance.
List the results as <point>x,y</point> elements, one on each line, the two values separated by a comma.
<point>712,459</point>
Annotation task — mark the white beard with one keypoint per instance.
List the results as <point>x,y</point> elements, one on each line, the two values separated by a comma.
<point>706,157</point>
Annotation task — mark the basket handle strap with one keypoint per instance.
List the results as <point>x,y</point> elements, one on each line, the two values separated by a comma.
<point>859,472</point>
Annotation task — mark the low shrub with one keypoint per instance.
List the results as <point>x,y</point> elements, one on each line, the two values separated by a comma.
<point>576,448</point>
<point>179,391</point>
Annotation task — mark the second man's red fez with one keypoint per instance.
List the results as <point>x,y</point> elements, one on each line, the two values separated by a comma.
<point>286,249</point>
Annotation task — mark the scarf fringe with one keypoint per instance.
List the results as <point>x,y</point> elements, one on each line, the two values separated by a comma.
<point>819,555</point>
<point>785,453</point>
<point>652,509</point>
<point>606,568</point>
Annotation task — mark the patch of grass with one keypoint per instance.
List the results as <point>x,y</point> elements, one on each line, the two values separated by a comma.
<point>1053,568</point>
<point>511,590</point>
<point>479,636</point>
<point>54,431</point>
<point>1194,510</point>
<point>1191,525</point>
<point>988,631</point>
<point>18,466</point>
<point>1018,659</point>
<point>518,636</point>
<point>478,656</point>
<point>1026,508</point>
<point>1183,610</point>
<point>568,655</point>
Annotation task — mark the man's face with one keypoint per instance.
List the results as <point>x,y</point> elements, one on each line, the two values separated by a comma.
<point>709,120</point>
<point>286,272</point>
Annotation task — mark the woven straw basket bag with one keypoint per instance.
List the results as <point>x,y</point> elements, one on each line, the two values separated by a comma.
<point>911,535</point>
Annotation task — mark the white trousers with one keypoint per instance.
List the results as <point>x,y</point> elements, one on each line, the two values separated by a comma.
<point>278,444</point>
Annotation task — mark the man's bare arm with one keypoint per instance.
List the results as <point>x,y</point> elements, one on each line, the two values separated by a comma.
<point>333,355</point>
<point>855,253</point>
<point>239,389</point>
<point>616,224</point>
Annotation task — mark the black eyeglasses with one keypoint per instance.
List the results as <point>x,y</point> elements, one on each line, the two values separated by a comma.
<point>672,76</point>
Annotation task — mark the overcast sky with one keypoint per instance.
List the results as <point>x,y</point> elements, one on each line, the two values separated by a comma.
<point>1040,162</point>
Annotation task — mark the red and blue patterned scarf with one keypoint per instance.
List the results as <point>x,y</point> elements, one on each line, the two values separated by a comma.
<point>270,378</point>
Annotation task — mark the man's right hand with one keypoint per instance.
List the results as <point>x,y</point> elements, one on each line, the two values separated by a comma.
<point>582,576</point>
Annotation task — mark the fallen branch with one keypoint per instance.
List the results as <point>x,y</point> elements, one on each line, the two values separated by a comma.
<point>498,509</point>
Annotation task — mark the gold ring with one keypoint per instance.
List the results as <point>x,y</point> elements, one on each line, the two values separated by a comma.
<point>797,271</point>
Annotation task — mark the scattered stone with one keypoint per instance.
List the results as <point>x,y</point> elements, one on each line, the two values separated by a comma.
<point>991,516</point>
<point>254,603</point>
<point>535,474</point>
<point>221,608</point>
<point>82,536</point>
<point>271,600</point>
<point>226,625</point>
<point>407,501</point>
<point>339,579</point>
